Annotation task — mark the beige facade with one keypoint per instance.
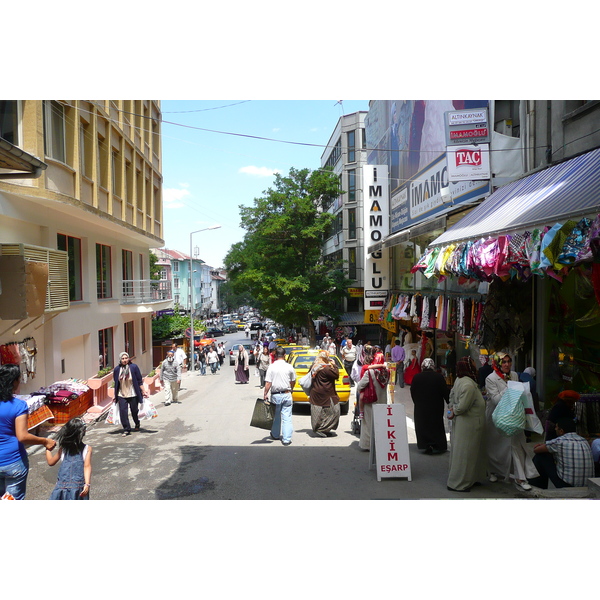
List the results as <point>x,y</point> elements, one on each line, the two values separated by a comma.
<point>96,210</point>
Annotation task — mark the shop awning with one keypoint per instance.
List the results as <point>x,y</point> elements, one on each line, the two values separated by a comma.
<point>552,195</point>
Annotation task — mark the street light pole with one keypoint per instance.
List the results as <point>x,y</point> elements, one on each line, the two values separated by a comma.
<point>192,332</point>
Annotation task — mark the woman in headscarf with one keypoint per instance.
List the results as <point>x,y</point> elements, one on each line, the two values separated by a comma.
<point>467,413</point>
<point>380,375</point>
<point>429,393</point>
<point>242,372</point>
<point>128,391</point>
<point>507,456</point>
<point>324,401</point>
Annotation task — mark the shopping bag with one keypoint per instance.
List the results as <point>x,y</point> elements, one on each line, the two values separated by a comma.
<point>113,417</point>
<point>263,415</point>
<point>306,383</point>
<point>509,415</point>
<point>147,411</point>
<point>356,368</point>
<point>532,421</point>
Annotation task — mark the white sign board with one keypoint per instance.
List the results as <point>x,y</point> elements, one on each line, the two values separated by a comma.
<point>377,227</point>
<point>389,441</point>
<point>468,162</point>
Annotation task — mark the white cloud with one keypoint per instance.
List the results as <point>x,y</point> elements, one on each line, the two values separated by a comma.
<point>172,197</point>
<point>259,171</point>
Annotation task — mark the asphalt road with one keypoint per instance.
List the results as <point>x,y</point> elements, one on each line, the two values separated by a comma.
<point>204,449</point>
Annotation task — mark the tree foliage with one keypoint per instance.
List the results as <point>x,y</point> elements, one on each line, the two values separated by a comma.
<point>280,262</point>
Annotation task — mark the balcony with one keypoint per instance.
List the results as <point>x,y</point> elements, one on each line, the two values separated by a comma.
<point>146,291</point>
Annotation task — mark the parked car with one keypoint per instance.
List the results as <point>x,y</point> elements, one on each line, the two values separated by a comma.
<point>256,325</point>
<point>214,332</point>
<point>249,350</point>
<point>302,362</point>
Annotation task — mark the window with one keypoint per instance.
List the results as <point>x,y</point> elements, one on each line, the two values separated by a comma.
<point>129,343</point>
<point>54,130</point>
<point>144,347</point>
<point>103,271</point>
<point>351,185</point>
<point>176,283</point>
<point>141,264</point>
<point>85,150</point>
<point>335,154</point>
<point>351,223</point>
<point>352,263</point>
<point>9,121</point>
<point>351,139</point>
<point>73,248</point>
<point>175,266</point>
<point>105,342</point>
<point>127,273</point>
<point>363,135</point>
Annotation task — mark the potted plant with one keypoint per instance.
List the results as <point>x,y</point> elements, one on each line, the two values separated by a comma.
<point>99,383</point>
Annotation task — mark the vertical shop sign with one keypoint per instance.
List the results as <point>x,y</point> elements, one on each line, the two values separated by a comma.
<point>377,227</point>
<point>389,442</point>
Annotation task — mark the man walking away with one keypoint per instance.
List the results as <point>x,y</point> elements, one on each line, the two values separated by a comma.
<point>280,380</point>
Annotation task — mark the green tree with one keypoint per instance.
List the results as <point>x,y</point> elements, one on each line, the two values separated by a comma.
<point>280,262</point>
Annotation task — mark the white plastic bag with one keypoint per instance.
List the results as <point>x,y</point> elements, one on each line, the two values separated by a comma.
<point>306,383</point>
<point>147,411</point>
<point>532,421</point>
<point>113,417</point>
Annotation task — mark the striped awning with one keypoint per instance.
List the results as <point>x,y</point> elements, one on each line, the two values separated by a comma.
<point>564,191</point>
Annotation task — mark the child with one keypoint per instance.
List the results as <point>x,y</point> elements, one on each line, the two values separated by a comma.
<point>75,470</point>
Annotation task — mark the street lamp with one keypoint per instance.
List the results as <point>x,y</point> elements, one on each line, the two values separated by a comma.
<point>192,332</point>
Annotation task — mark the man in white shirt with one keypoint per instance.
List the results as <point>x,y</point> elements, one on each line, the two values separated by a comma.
<point>280,380</point>
<point>349,356</point>
<point>180,356</point>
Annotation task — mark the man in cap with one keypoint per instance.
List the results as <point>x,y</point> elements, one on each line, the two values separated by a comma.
<point>128,391</point>
<point>170,378</point>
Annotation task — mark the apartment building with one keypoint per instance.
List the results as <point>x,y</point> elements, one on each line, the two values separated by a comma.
<point>78,234</point>
<point>346,155</point>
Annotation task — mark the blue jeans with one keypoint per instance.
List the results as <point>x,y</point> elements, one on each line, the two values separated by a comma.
<point>202,368</point>
<point>282,423</point>
<point>13,479</point>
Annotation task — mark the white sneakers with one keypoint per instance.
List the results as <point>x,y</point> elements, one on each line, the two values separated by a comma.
<point>522,485</point>
<point>493,478</point>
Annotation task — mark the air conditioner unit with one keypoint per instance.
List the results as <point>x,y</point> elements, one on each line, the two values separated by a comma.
<point>505,127</point>
<point>34,280</point>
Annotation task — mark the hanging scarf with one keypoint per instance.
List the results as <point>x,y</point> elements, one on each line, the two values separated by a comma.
<point>124,373</point>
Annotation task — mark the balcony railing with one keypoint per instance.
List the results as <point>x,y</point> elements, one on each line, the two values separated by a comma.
<point>143,291</point>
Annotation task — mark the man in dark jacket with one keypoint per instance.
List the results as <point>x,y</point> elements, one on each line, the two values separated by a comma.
<point>128,391</point>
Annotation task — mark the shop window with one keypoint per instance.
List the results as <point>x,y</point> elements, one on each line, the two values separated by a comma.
<point>105,343</point>
<point>129,339</point>
<point>72,246</point>
<point>103,271</point>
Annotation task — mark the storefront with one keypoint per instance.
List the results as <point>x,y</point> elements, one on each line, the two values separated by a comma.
<point>531,251</point>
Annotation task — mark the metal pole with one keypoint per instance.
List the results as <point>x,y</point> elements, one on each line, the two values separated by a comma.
<point>192,332</point>
<point>192,337</point>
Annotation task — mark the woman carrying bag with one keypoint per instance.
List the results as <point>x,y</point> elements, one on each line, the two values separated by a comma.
<point>324,400</point>
<point>242,372</point>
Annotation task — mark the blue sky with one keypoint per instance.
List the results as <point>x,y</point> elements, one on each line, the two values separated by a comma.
<point>206,176</point>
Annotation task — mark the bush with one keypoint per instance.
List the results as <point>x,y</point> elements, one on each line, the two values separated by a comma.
<point>103,372</point>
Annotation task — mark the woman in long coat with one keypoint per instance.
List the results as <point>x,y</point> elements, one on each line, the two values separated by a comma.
<point>241,365</point>
<point>508,457</point>
<point>324,400</point>
<point>467,440</point>
<point>430,393</point>
<point>381,390</point>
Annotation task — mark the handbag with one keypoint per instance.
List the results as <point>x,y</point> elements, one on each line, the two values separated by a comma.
<point>369,393</point>
<point>148,411</point>
<point>306,383</point>
<point>509,415</point>
<point>263,414</point>
<point>113,417</point>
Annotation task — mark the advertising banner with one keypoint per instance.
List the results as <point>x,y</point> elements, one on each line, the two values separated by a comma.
<point>468,162</point>
<point>376,220</point>
<point>389,442</point>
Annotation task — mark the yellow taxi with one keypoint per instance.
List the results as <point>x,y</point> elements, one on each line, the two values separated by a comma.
<point>302,361</point>
<point>289,348</point>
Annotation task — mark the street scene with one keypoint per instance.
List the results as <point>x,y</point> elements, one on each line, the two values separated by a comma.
<point>203,448</point>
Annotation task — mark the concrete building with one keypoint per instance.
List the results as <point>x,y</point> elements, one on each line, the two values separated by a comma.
<point>80,234</point>
<point>346,155</point>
